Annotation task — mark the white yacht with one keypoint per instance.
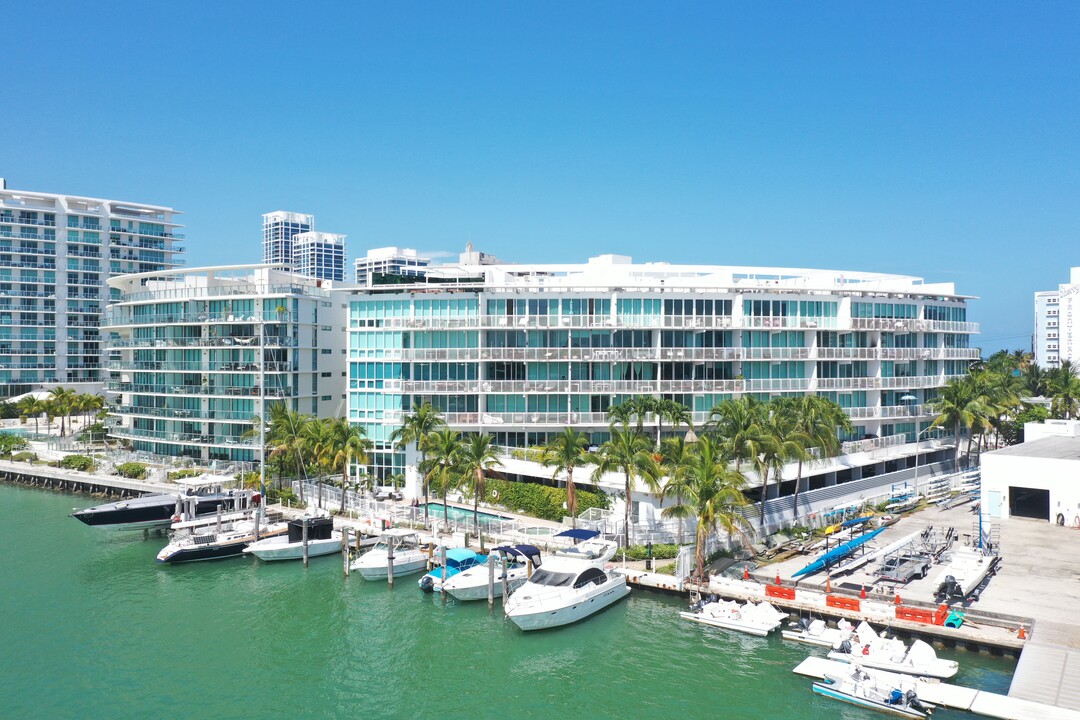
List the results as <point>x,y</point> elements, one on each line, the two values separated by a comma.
<point>408,555</point>
<point>214,543</point>
<point>569,587</point>
<point>758,619</point>
<point>868,649</point>
<point>322,540</point>
<point>472,584</point>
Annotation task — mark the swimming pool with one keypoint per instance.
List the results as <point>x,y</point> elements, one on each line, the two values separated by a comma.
<point>461,515</point>
<point>13,431</point>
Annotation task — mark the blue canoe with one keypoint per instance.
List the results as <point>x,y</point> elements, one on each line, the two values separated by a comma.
<point>856,521</point>
<point>838,553</point>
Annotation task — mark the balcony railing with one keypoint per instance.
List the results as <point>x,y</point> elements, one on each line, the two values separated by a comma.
<point>184,413</point>
<point>222,391</point>
<point>120,320</point>
<point>196,366</point>
<point>169,436</point>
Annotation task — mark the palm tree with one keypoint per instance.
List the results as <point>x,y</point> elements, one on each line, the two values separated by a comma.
<point>478,456</point>
<point>33,407</point>
<point>565,452</point>
<point>714,493</point>
<point>672,410</point>
<point>62,400</point>
<point>1065,387</point>
<point>674,451</point>
<point>960,406</point>
<point>781,442</point>
<point>287,438</point>
<point>818,420</point>
<point>443,450</point>
<point>737,422</point>
<point>423,421</point>
<point>319,445</point>
<point>628,452</point>
<point>350,445</point>
<point>620,414</point>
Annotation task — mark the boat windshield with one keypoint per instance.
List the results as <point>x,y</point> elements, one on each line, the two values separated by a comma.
<point>552,579</point>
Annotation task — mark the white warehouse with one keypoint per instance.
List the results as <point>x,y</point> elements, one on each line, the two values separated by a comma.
<point>1038,478</point>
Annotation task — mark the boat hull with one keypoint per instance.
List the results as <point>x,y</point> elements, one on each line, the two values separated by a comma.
<point>542,619</point>
<point>742,627</point>
<point>829,691</point>
<point>143,513</point>
<point>273,551</point>
<point>194,552</point>
<point>374,570</point>
<point>477,587</point>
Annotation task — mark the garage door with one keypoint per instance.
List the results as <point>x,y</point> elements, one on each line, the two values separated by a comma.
<point>1029,503</point>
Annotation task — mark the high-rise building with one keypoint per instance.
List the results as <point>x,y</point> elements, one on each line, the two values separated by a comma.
<point>402,262</point>
<point>56,252</point>
<point>1046,341</point>
<point>319,255</point>
<point>1057,323</point>
<point>523,351</point>
<point>279,229</point>
<point>198,353</point>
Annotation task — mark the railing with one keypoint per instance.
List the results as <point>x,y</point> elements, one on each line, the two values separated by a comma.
<point>199,318</point>
<point>196,366</point>
<point>912,325</point>
<point>183,413</point>
<point>167,436</point>
<point>253,290</point>
<point>252,341</point>
<point>225,391</point>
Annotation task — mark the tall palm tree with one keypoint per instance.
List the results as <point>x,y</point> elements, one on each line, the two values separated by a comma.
<point>1065,389</point>
<point>287,438</point>
<point>319,446</point>
<point>630,453</point>
<point>672,410</point>
<point>714,493</point>
<point>62,400</point>
<point>423,421</point>
<point>33,407</point>
<point>737,423</point>
<point>817,420</point>
<point>781,442</point>
<point>959,406</point>
<point>478,457</point>
<point>350,445</point>
<point>564,452</point>
<point>620,414</point>
<point>674,451</point>
<point>443,450</point>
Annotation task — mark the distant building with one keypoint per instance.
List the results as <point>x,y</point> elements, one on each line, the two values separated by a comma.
<point>56,252</point>
<point>279,229</point>
<point>1057,323</point>
<point>1045,342</point>
<point>389,261</point>
<point>476,257</point>
<point>319,255</point>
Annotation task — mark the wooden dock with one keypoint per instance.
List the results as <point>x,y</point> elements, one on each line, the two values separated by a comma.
<point>947,695</point>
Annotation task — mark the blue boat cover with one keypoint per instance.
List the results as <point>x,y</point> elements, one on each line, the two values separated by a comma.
<point>530,552</point>
<point>457,556</point>
<point>579,534</point>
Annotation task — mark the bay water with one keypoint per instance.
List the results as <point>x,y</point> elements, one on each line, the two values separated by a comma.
<point>92,627</point>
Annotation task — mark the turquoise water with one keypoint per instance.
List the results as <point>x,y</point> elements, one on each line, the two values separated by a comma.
<point>93,628</point>
<point>461,515</point>
<point>13,431</point>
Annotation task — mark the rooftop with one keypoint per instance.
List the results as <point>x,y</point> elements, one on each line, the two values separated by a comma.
<point>1056,447</point>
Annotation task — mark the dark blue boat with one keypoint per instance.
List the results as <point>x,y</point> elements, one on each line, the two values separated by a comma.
<point>838,553</point>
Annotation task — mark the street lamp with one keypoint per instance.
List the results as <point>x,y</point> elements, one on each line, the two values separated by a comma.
<point>909,400</point>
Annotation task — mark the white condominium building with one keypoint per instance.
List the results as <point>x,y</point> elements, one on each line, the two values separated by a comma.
<point>319,255</point>
<point>1057,323</point>
<point>1046,341</point>
<point>199,353</point>
<point>522,351</point>
<point>56,252</point>
<point>401,262</point>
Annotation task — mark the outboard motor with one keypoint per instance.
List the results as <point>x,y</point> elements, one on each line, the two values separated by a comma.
<point>845,647</point>
<point>949,588</point>
<point>913,702</point>
<point>803,624</point>
<point>427,584</point>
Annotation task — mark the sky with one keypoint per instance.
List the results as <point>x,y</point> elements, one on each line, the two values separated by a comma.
<point>931,139</point>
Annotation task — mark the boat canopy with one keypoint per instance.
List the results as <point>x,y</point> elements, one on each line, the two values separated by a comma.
<point>579,534</point>
<point>462,555</point>
<point>526,552</point>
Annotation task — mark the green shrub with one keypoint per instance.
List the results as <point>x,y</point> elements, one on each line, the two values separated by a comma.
<point>132,470</point>
<point>540,501</point>
<point>660,552</point>
<point>175,475</point>
<point>92,433</point>
<point>25,457</point>
<point>285,496</point>
<point>78,462</point>
<point>9,410</point>
<point>12,443</point>
<point>250,479</point>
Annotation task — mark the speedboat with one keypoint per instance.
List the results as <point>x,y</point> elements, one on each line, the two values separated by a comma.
<point>159,511</point>
<point>569,587</point>
<point>818,632</point>
<point>322,540</point>
<point>753,618</point>
<point>871,650</point>
<point>472,584</point>
<point>966,570</point>
<point>588,545</point>
<point>408,556</point>
<point>870,690</point>
<point>458,560</point>
<point>215,544</point>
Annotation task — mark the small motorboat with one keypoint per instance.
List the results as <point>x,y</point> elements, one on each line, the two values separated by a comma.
<point>869,690</point>
<point>758,619</point>
<point>818,633</point>
<point>408,555</point>
<point>472,584</point>
<point>322,539</point>
<point>962,576</point>
<point>871,650</point>
<point>458,560</point>
<point>588,545</point>
<point>215,544</point>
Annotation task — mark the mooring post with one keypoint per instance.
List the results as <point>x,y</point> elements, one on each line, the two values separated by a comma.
<point>390,562</point>
<point>443,587</point>
<point>491,580</point>
<point>504,582</point>
<point>303,540</point>
<point>345,549</point>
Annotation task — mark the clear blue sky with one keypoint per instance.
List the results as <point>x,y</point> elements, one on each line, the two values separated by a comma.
<point>936,139</point>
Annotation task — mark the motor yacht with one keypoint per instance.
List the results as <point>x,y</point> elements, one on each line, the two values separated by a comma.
<point>567,588</point>
<point>148,512</point>
<point>214,543</point>
<point>472,584</point>
<point>408,555</point>
<point>322,539</point>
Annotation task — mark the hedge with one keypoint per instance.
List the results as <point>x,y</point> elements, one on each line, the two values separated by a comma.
<point>78,462</point>
<point>540,501</point>
<point>12,443</point>
<point>132,470</point>
<point>659,551</point>
<point>183,474</point>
